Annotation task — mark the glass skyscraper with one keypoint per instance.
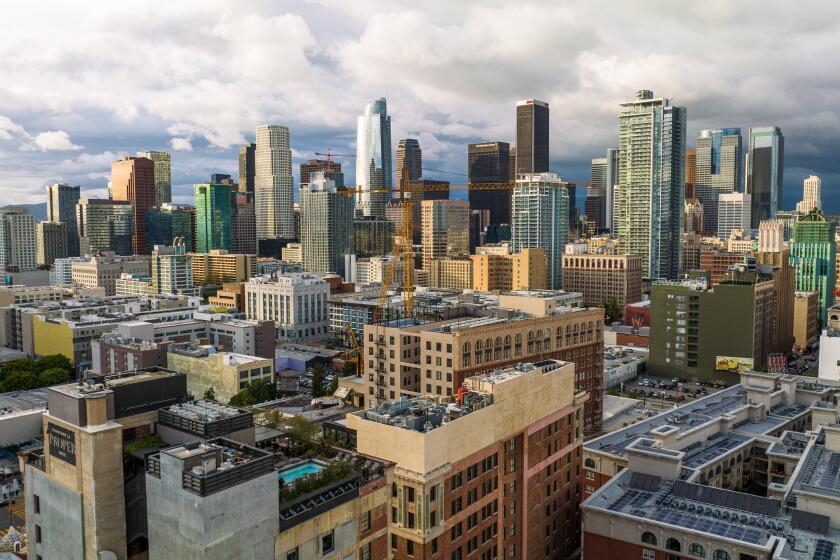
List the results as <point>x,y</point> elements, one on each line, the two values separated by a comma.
<point>489,162</point>
<point>531,136</point>
<point>105,225</point>
<point>813,254</point>
<point>650,177</point>
<point>717,170</point>
<point>163,175</point>
<point>171,221</point>
<point>212,217</point>
<point>373,159</point>
<point>326,225</point>
<point>765,166</point>
<point>61,207</point>
<point>273,183</point>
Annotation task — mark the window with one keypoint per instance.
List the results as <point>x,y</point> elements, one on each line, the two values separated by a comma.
<point>720,555</point>
<point>673,544</point>
<point>366,521</point>
<point>589,463</point>
<point>37,534</point>
<point>649,538</point>
<point>648,554</point>
<point>697,550</point>
<point>328,542</point>
<point>590,475</point>
<point>293,554</point>
<point>365,552</point>
<point>409,547</point>
<point>37,503</point>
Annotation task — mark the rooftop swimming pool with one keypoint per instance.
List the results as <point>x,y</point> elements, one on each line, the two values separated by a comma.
<point>291,474</point>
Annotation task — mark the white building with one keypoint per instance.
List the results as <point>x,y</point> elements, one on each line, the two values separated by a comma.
<point>17,240</point>
<point>373,158</point>
<point>811,195</point>
<point>296,302</point>
<point>771,236</point>
<point>734,212</point>
<point>273,183</point>
<point>62,270</point>
<point>830,355</point>
<point>326,225</point>
<point>172,271</point>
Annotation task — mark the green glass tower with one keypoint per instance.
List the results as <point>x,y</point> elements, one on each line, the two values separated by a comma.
<point>812,254</point>
<point>212,217</point>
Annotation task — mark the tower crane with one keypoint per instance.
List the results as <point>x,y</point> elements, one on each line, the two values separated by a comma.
<point>355,354</point>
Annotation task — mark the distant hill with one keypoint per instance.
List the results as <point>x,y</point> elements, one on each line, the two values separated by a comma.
<point>38,211</point>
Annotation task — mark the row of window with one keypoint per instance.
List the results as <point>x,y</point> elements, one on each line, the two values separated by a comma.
<point>694,549</point>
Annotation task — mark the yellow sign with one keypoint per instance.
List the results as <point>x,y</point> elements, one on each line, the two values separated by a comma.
<point>729,363</point>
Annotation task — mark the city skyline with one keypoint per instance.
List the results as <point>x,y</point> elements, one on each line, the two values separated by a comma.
<point>336,71</point>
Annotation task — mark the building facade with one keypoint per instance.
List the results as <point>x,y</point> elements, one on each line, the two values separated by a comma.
<point>733,213</point>
<point>445,229</point>
<point>170,222</point>
<point>219,266</point>
<point>133,181</point>
<point>373,159</point>
<point>330,168</point>
<point>105,225</point>
<point>296,302</point>
<point>326,225</point>
<point>61,207</point>
<point>813,253</point>
<point>18,240</point>
<point>247,167</point>
<point>410,156</point>
<point>489,162</point>
<point>717,171</point>
<point>603,278</point>
<point>531,137</point>
<point>811,195</point>
<point>51,242</point>
<point>213,217</point>
<point>524,270</point>
<point>273,183</point>
<point>163,175</point>
<point>764,166</point>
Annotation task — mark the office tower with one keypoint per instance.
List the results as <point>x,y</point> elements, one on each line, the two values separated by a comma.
<point>273,183</point>
<point>489,162</point>
<point>172,270</point>
<point>163,175</point>
<point>217,266</point>
<point>427,189</point>
<point>331,169</point>
<point>540,219</point>
<point>595,208</point>
<point>531,136</point>
<point>221,178</point>
<point>374,237</point>
<point>598,205</point>
<point>18,242</point>
<point>296,302</point>
<point>133,180</point>
<point>811,195</point>
<point>717,171</point>
<point>764,166</point>
<point>524,270</point>
<point>813,253</point>
<point>691,172</point>
<point>652,137</point>
<point>693,325</point>
<point>50,242</point>
<point>693,216</point>
<point>243,223</point>
<point>603,278</point>
<point>409,155</point>
<point>450,273</point>
<point>247,167</point>
<point>213,217</point>
<point>326,225</point>
<point>734,210</point>
<point>446,460</point>
<point>170,222</point>
<point>61,207</point>
<point>446,229</point>
<point>105,225</point>
<point>373,159</point>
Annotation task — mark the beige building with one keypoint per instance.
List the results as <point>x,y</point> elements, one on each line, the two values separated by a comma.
<point>445,229</point>
<point>103,271</point>
<point>219,266</point>
<point>293,252</point>
<point>524,270</point>
<point>226,373</point>
<point>806,319</point>
<point>601,278</point>
<point>453,274</point>
<point>10,295</point>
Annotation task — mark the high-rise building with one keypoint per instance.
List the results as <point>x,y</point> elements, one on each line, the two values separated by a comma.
<point>652,149</point>
<point>603,278</point>
<point>506,272</point>
<point>172,270</point>
<point>691,172</point>
<point>489,162</point>
<point>273,183</point>
<point>604,179</point>
<point>247,167</point>
<point>61,207</point>
<point>374,237</point>
<point>18,241</point>
<point>717,171</point>
<point>326,225</point>
<point>373,159</point>
<point>163,175</point>
<point>212,217</point>
<point>330,168</point>
<point>811,195</point>
<point>771,236</point>
<point>734,209</point>
<point>105,225</point>
<point>409,155</point>
<point>813,252</point>
<point>531,136</point>
<point>243,223</point>
<point>217,266</point>
<point>540,218</point>
<point>693,216</point>
<point>764,166</point>
<point>429,189</point>
<point>133,180</point>
<point>446,229</point>
<point>51,242</point>
<point>170,222</point>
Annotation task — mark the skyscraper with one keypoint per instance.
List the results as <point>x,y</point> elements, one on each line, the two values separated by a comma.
<point>273,183</point>
<point>652,148</point>
<point>733,213</point>
<point>604,178</point>
<point>811,195</point>
<point>326,225</point>
<point>540,219</point>
<point>373,159</point>
<point>813,254</point>
<point>243,224</point>
<point>51,242</point>
<point>61,207</point>
<point>410,155</point>
<point>171,221</point>
<point>489,162</point>
<point>133,180</point>
<point>717,170</point>
<point>531,136</point>
<point>446,229</point>
<point>212,217</point>
<point>247,167</point>
<point>690,172</point>
<point>163,175</point>
<point>105,225</point>
<point>331,169</point>
<point>17,240</point>
<point>764,168</point>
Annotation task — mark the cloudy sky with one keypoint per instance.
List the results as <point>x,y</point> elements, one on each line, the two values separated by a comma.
<point>83,85</point>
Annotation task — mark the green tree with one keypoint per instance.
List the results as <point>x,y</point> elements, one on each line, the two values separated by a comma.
<point>302,429</point>
<point>210,394</point>
<point>318,389</point>
<point>53,376</point>
<point>20,381</point>
<point>333,386</point>
<point>59,361</point>
<point>349,369</point>
<point>612,312</point>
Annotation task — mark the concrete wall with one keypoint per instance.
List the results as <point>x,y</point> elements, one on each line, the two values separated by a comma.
<point>307,536</point>
<point>60,517</point>
<point>20,427</point>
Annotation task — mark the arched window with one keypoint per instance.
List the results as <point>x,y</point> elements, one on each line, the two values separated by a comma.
<point>649,538</point>
<point>466,353</point>
<point>720,555</point>
<point>589,463</point>
<point>530,342</point>
<point>517,346</point>
<point>697,550</point>
<point>507,347</point>
<point>497,349</point>
<point>673,544</point>
<point>488,350</point>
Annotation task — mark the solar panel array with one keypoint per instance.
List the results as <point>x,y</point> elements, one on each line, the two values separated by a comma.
<point>706,525</point>
<point>831,476</point>
<point>633,498</point>
<point>824,550</point>
<point>808,521</point>
<point>644,481</point>
<point>727,498</point>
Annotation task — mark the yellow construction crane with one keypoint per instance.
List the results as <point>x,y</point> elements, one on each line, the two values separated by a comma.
<point>355,354</point>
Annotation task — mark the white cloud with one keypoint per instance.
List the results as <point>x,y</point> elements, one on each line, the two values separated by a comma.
<point>181,144</point>
<point>9,128</point>
<point>54,140</point>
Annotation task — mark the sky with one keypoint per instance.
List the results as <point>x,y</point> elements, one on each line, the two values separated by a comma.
<point>85,83</point>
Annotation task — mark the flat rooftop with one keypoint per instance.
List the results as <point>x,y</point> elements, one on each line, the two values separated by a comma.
<point>422,414</point>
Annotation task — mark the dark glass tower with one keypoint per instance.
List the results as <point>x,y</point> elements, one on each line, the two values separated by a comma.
<point>531,136</point>
<point>489,162</point>
<point>247,167</point>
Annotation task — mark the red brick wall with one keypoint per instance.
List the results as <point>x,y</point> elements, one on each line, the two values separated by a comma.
<point>598,547</point>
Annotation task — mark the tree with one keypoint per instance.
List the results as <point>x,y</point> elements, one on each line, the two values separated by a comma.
<point>20,381</point>
<point>612,312</point>
<point>318,389</point>
<point>210,394</point>
<point>53,376</point>
<point>53,361</point>
<point>302,429</point>
<point>333,386</point>
<point>348,369</point>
